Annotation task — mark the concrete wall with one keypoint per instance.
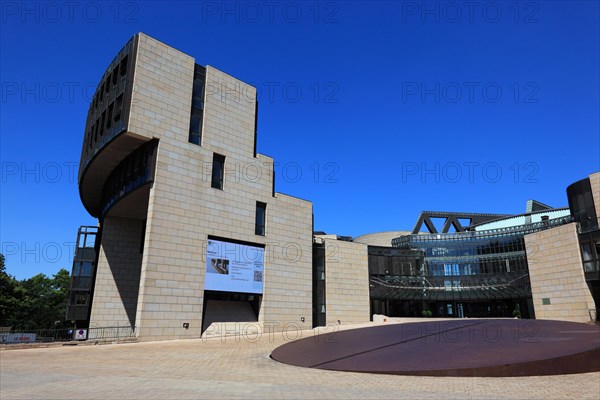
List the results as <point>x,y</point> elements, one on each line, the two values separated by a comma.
<point>346,282</point>
<point>556,273</point>
<point>118,273</point>
<point>184,209</point>
<point>380,238</point>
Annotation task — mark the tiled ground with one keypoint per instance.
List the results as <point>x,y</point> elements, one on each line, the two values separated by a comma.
<point>230,368</point>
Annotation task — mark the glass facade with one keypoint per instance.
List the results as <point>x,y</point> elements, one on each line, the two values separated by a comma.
<point>82,276</point>
<point>462,274</point>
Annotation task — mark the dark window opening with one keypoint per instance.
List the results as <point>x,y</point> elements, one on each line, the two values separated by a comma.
<point>80,298</point>
<point>255,126</point>
<point>91,135</point>
<point>261,216</point>
<point>109,116</point>
<point>114,76</point>
<point>101,128</point>
<point>96,131</point>
<point>118,107</point>
<point>217,171</point>
<point>195,135</point>
<point>195,126</point>
<point>198,92</point>
<point>123,67</point>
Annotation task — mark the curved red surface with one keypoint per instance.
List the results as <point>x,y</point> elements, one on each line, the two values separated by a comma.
<point>466,347</point>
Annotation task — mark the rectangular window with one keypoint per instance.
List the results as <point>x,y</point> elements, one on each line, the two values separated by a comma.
<point>217,171</point>
<point>195,126</point>
<point>114,76</point>
<point>118,107</point>
<point>123,67</point>
<point>109,116</point>
<point>81,298</point>
<point>261,217</point>
<point>197,105</point>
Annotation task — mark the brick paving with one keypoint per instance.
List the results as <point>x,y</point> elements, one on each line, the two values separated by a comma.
<point>236,368</point>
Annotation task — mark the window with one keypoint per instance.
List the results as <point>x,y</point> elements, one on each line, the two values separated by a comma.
<point>261,214</point>
<point>118,107</point>
<point>195,126</point>
<point>217,171</point>
<point>197,105</point>
<point>123,67</point>
<point>109,116</point>
<point>80,298</point>
<point>198,92</point>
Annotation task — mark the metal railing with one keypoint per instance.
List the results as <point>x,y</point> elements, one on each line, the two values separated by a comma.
<point>105,333</point>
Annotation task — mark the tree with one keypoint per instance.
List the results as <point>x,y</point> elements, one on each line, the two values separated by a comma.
<point>11,296</point>
<point>35,303</point>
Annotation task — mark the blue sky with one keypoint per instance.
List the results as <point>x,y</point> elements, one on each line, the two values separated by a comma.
<point>374,111</point>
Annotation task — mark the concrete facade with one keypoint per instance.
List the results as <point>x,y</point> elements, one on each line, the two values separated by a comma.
<point>183,210</point>
<point>380,238</point>
<point>558,285</point>
<point>151,264</point>
<point>346,281</point>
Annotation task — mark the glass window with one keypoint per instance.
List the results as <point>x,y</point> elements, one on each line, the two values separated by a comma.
<point>109,116</point>
<point>195,126</point>
<point>123,66</point>
<point>261,214</point>
<point>217,171</point>
<point>198,93</point>
<point>197,105</point>
<point>118,106</point>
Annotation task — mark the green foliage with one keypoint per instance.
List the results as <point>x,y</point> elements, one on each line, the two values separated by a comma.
<point>39,302</point>
<point>517,311</point>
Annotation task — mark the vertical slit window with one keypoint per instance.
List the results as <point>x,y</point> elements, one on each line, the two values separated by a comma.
<point>255,125</point>
<point>123,67</point>
<point>218,171</point>
<point>197,105</point>
<point>261,217</point>
<point>118,107</point>
<point>109,116</point>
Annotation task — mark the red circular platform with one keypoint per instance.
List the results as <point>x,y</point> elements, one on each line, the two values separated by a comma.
<point>466,347</point>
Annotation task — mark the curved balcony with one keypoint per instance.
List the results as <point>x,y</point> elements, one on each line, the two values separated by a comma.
<point>122,194</point>
<point>107,141</point>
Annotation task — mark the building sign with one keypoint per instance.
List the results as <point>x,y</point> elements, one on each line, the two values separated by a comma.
<point>232,267</point>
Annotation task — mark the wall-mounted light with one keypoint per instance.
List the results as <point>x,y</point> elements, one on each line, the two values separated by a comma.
<point>302,319</point>
<point>186,325</point>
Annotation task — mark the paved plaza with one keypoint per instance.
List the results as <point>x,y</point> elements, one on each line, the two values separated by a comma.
<point>231,367</point>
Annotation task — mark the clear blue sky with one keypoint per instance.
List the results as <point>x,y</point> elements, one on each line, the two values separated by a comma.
<point>399,108</point>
